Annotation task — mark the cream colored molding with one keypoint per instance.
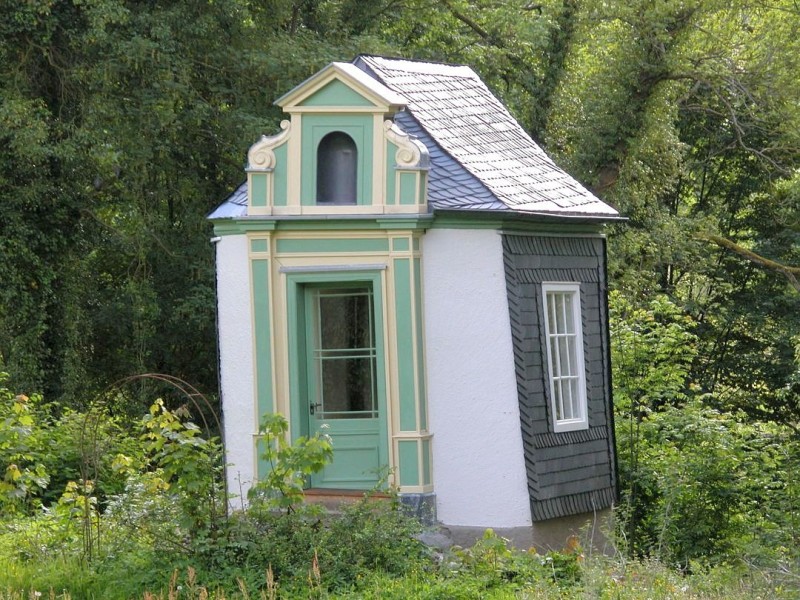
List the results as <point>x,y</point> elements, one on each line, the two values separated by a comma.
<point>411,153</point>
<point>378,163</point>
<point>370,88</point>
<point>390,368</point>
<point>261,156</point>
<point>343,209</point>
<point>406,209</point>
<point>378,110</point>
<point>350,209</point>
<point>294,163</point>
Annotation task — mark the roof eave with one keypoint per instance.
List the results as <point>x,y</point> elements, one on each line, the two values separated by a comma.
<point>532,215</point>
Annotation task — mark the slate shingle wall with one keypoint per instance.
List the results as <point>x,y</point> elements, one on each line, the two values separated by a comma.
<point>571,472</point>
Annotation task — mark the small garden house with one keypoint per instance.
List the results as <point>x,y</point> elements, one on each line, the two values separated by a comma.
<point>405,269</point>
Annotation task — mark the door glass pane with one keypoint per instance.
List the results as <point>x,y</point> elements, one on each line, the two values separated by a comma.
<point>344,320</point>
<point>345,354</point>
<point>346,385</point>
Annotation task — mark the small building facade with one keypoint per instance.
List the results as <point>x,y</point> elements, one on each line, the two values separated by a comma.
<point>407,271</point>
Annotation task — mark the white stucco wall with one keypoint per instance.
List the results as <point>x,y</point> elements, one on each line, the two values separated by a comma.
<point>478,463</point>
<point>236,358</point>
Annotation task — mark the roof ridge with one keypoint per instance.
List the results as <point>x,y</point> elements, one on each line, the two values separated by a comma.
<point>422,61</point>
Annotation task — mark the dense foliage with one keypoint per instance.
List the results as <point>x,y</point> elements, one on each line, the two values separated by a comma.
<point>149,525</point>
<point>122,123</point>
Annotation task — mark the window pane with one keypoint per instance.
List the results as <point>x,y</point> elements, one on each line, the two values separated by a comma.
<point>550,309</point>
<point>555,367</point>
<point>347,386</point>
<point>564,356</point>
<point>559,305</point>
<point>576,406</point>
<point>345,353</point>
<point>569,325</point>
<point>565,399</point>
<point>558,401</point>
<point>345,319</point>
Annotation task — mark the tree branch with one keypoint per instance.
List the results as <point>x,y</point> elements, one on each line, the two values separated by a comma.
<point>791,273</point>
<point>472,24</point>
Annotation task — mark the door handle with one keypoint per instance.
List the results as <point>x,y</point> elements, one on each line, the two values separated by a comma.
<point>314,406</point>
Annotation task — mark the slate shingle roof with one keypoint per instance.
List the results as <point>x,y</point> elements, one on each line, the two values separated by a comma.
<point>234,206</point>
<point>481,158</point>
<point>455,109</point>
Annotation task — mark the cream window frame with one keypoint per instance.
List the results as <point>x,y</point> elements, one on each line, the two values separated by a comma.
<point>566,372</point>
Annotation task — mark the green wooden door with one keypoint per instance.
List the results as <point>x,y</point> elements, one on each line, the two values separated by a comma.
<point>345,389</point>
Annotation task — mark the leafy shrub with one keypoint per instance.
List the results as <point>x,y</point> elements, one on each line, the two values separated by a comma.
<point>290,464</point>
<point>369,535</point>
<point>494,563</point>
<point>22,478</point>
<point>698,483</point>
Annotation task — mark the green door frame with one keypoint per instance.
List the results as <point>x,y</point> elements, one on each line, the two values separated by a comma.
<point>296,285</point>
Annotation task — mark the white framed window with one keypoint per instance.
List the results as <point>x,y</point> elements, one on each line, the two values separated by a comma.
<point>564,340</point>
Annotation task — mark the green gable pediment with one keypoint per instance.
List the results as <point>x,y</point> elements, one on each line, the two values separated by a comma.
<point>336,94</point>
<point>341,86</point>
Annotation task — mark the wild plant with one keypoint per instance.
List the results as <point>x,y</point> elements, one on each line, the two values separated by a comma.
<point>290,464</point>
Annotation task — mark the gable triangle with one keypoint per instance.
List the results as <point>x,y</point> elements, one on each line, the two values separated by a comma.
<point>336,93</point>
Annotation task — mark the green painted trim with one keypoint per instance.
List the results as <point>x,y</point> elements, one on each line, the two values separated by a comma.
<point>391,151</point>
<point>421,391</point>
<point>336,93</point>
<point>223,227</point>
<point>416,244</point>
<point>258,193</point>
<point>329,245</point>
<point>265,403</point>
<point>259,245</point>
<point>298,378</point>
<point>404,343</point>
<point>315,127</point>
<point>422,222</point>
<point>400,244</point>
<point>312,223</point>
<point>408,188</point>
<point>469,220</point>
<point>280,176</point>
<point>408,462</point>
<point>488,221</point>
<point>479,219</point>
<point>426,462</point>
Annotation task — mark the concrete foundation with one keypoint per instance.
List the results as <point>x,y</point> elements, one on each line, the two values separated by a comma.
<point>591,529</point>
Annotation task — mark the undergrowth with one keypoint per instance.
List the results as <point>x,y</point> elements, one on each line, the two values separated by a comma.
<point>144,518</point>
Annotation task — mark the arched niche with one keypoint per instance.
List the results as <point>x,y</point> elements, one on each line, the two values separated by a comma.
<point>337,169</point>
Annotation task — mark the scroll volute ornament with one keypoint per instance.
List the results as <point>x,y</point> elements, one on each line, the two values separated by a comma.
<point>261,156</point>
<point>411,153</point>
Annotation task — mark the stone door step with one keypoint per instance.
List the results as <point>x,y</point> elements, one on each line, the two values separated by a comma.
<point>332,499</point>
